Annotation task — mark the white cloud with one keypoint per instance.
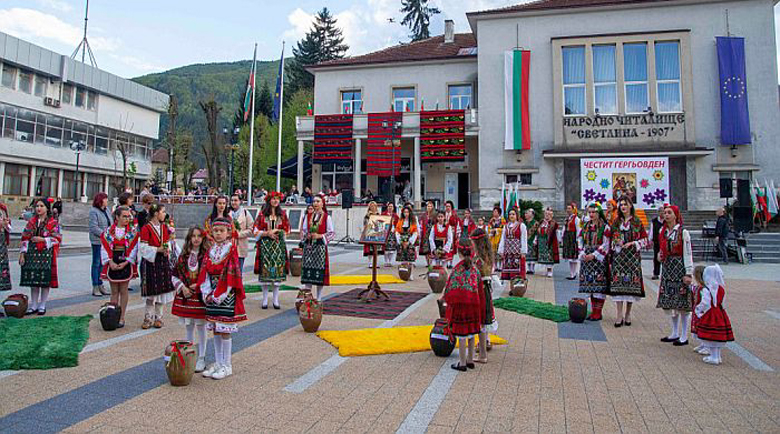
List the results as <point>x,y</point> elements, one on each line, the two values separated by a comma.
<point>38,27</point>
<point>57,5</point>
<point>141,65</point>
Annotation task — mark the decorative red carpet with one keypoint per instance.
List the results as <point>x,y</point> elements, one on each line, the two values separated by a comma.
<point>348,304</point>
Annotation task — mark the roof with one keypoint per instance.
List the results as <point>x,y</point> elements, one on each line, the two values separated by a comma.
<point>160,156</point>
<point>433,48</point>
<point>200,174</point>
<point>541,5</point>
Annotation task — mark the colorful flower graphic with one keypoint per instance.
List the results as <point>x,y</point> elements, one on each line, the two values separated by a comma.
<point>605,184</point>
<point>644,183</point>
<point>660,194</point>
<point>589,195</point>
<point>658,175</point>
<point>601,197</point>
<point>649,199</point>
<point>591,176</point>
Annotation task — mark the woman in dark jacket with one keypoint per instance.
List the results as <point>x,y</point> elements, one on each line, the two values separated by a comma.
<point>99,221</point>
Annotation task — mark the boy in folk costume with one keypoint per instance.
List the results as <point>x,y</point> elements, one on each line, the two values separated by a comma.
<point>38,252</point>
<point>223,292</point>
<point>713,326</point>
<point>513,248</point>
<point>674,292</point>
<point>484,262</point>
<point>571,233</point>
<point>188,304</point>
<point>628,238</point>
<point>155,248</point>
<point>271,227</point>
<point>316,232</point>
<point>5,237</point>
<point>425,223</point>
<point>391,246</point>
<point>532,226</point>
<point>118,255</point>
<point>495,228</point>
<point>406,236</point>
<point>440,241</point>
<point>452,220</point>
<point>546,241</point>
<point>593,252</point>
<point>465,298</point>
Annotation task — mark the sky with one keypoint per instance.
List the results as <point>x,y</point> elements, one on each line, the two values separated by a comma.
<point>137,37</point>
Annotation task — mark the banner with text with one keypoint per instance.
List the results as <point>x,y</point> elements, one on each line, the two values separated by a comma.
<point>644,180</point>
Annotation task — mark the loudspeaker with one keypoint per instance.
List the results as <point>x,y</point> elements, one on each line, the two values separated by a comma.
<point>726,188</point>
<point>743,218</point>
<point>347,197</point>
<point>743,192</point>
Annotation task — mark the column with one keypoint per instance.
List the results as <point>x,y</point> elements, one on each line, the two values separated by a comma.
<point>299,181</point>
<point>105,184</point>
<point>357,168</point>
<point>417,172</point>
<point>59,182</point>
<point>2,176</point>
<point>83,185</point>
<point>32,184</point>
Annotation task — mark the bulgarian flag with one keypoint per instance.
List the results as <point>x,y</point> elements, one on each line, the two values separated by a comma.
<point>516,73</point>
<point>250,88</point>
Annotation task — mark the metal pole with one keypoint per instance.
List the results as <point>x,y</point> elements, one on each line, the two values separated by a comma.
<point>232,149</point>
<point>279,145</point>
<point>78,175</point>
<point>252,129</point>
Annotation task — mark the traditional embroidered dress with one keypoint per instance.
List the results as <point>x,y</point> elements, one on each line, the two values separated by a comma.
<point>222,289</point>
<point>465,298</point>
<point>532,251</point>
<point>119,245</point>
<point>495,228</point>
<point>271,258</point>
<point>677,261</point>
<point>440,241</point>
<point>427,222</point>
<point>406,232</point>
<point>626,268</point>
<point>465,228</point>
<point>392,242</point>
<point>453,222</point>
<point>571,232</point>
<point>512,247</point>
<point>315,268</point>
<point>156,282</point>
<point>489,318</point>
<point>547,242</point>
<point>594,274</point>
<point>5,237</point>
<point>40,259</point>
<point>713,325</point>
<point>185,274</point>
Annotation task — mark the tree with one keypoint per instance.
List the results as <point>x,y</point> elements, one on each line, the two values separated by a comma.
<point>418,18</point>
<point>182,163</point>
<point>322,43</point>
<point>121,144</point>
<point>211,148</point>
<point>265,101</point>
<point>173,114</point>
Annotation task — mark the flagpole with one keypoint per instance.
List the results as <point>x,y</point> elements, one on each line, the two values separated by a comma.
<point>279,145</point>
<point>251,128</point>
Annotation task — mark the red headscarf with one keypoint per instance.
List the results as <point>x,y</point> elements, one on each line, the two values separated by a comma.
<point>676,210</point>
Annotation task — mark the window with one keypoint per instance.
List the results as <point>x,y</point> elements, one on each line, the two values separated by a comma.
<point>25,126</point>
<point>520,178</point>
<point>69,183</point>
<point>91,100</point>
<point>101,141</point>
<point>667,75</point>
<point>403,99</point>
<point>574,80</point>
<point>9,76</point>
<point>80,97</point>
<point>604,79</point>
<point>635,77</point>
<point>47,182</point>
<point>460,96</point>
<point>351,102</point>
<point>54,131</point>
<point>16,181</point>
<point>40,86</point>
<point>10,122</point>
<point>25,82</point>
<point>67,94</point>
<point>40,128</point>
<point>94,184</point>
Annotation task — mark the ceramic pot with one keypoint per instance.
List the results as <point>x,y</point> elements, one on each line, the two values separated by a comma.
<point>437,279</point>
<point>578,309</point>
<point>441,342</point>
<point>296,261</point>
<point>310,315</point>
<point>405,271</point>
<point>517,287</point>
<point>180,358</point>
<point>15,305</point>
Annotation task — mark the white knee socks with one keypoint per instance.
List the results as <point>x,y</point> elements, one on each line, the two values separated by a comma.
<point>158,311</point>
<point>149,310</point>
<point>201,340</point>
<point>675,330</point>
<point>277,285</point>
<point>265,293</point>
<point>218,358</point>
<point>34,294</point>
<point>573,268</point>
<point>227,352</point>
<point>686,322</point>
<point>190,328</point>
<point>319,291</point>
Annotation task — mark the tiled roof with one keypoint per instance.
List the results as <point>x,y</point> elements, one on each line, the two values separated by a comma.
<point>200,174</point>
<point>160,156</point>
<point>433,48</point>
<point>541,5</point>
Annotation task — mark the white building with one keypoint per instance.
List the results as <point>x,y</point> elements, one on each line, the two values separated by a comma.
<point>633,39</point>
<point>49,101</point>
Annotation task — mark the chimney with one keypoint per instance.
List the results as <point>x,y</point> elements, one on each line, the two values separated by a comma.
<point>449,31</point>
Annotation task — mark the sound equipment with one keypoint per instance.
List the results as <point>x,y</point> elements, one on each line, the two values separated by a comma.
<point>347,197</point>
<point>743,218</point>
<point>726,188</point>
<point>743,192</point>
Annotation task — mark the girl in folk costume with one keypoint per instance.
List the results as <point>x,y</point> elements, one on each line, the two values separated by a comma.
<point>513,248</point>
<point>465,298</point>
<point>219,210</point>
<point>452,220</point>
<point>425,224</point>
<point>484,253</point>
<point>696,287</point>
<point>188,304</point>
<point>593,250</point>
<point>271,228</point>
<point>495,228</point>
<point>5,237</point>
<point>391,246</point>
<point>546,241</point>
<point>674,292</point>
<point>406,236</point>
<point>466,227</point>
<point>713,326</point>
<point>223,292</point>
<point>373,209</point>
<point>440,241</point>
<point>38,251</point>
<point>612,212</point>
<point>244,226</point>
<point>482,225</point>
<point>316,233</point>
<point>571,233</point>
<point>118,254</point>
<point>532,227</point>
<point>628,239</point>
<point>155,248</point>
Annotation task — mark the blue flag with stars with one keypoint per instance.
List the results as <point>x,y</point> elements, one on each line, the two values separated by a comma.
<point>278,93</point>
<point>734,117</point>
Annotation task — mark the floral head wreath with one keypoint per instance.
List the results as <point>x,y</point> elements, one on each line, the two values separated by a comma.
<point>276,194</point>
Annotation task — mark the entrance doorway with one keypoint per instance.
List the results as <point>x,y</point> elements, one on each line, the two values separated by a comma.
<point>451,188</point>
<point>463,191</point>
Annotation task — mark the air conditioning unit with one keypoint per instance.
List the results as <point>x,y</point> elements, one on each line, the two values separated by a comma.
<point>57,103</point>
<point>51,102</point>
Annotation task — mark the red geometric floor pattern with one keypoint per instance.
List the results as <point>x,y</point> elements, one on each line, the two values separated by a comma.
<point>348,304</point>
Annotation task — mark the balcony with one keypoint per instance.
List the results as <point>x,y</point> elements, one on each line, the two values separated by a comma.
<point>411,125</point>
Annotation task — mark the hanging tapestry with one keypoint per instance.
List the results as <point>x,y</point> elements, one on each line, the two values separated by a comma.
<point>442,135</point>
<point>383,156</point>
<point>332,139</point>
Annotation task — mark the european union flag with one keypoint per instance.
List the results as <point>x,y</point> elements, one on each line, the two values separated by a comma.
<point>278,93</point>
<point>734,117</point>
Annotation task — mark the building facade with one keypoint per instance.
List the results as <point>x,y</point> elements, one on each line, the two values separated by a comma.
<point>608,79</point>
<point>51,104</point>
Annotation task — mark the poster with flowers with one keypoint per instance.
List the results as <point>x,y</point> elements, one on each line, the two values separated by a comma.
<point>643,180</point>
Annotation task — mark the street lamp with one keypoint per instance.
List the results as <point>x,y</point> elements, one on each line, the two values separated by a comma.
<point>77,146</point>
<point>395,127</point>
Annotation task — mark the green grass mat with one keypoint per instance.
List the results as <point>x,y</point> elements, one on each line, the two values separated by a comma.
<point>257,288</point>
<point>42,343</point>
<point>538,309</point>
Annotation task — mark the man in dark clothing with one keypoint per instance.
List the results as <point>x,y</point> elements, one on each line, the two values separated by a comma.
<point>656,225</point>
<point>722,234</point>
